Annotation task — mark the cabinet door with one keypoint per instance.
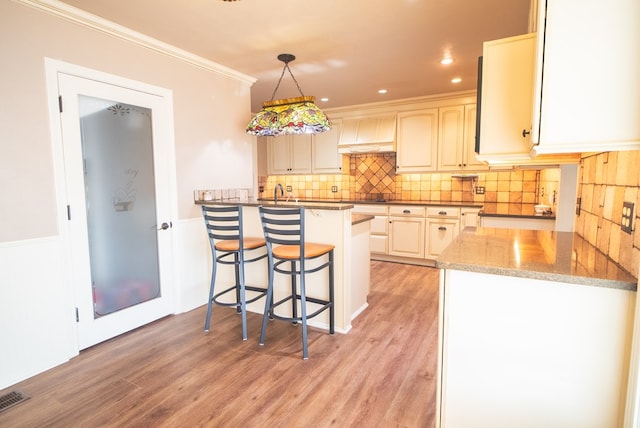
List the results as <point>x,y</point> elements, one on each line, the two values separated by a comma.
<point>469,217</point>
<point>300,149</point>
<point>289,154</point>
<point>278,154</point>
<point>469,155</point>
<point>507,82</point>
<point>451,138</point>
<point>417,141</point>
<point>325,158</point>
<point>589,98</point>
<point>406,237</point>
<point>440,233</point>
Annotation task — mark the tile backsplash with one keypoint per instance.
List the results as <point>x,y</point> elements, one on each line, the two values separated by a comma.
<point>605,181</point>
<point>373,177</point>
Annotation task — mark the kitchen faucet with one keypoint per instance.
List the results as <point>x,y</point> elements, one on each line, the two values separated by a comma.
<point>275,192</point>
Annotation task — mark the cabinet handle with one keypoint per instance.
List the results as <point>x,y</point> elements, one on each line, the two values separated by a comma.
<point>442,213</point>
<point>442,228</point>
<point>406,211</point>
<point>525,133</point>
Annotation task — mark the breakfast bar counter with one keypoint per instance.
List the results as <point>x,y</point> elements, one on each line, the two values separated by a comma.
<point>327,223</point>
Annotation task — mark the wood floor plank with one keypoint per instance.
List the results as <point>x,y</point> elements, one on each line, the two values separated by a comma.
<point>171,373</point>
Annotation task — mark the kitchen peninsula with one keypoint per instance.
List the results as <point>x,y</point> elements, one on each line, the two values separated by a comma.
<point>328,223</point>
<point>535,330</point>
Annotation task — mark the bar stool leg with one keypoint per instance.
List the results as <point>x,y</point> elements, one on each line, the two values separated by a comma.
<point>242,292</point>
<point>269,298</point>
<point>303,310</point>
<point>207,323</point>
<point>332,308</point>
<point>236,269</point>
<point>294,291</point>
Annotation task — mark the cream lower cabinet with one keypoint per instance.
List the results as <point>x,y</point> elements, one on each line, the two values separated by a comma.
<point>406,231</point>
<point>469,217</point>
<point>379,238</point>
<point>443,225</point>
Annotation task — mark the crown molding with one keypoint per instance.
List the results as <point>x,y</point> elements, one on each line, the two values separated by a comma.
<point>78,16</point>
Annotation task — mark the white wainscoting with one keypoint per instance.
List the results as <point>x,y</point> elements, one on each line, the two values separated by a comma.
<point>37,321</point>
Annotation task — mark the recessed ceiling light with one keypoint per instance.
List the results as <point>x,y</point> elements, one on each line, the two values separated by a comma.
<point>446,61</point>
<point>456,80</point>
<point>324,99</point>
<point>382,91</point>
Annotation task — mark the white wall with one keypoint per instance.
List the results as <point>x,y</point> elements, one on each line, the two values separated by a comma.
<point>211,109</point>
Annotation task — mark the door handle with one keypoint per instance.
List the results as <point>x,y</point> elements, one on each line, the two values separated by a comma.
<point>165,226</point>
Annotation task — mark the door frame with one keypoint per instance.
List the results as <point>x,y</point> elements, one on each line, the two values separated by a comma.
<point>52,69</point>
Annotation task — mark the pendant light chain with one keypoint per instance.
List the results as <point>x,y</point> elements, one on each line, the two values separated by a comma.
<point>286,67</point>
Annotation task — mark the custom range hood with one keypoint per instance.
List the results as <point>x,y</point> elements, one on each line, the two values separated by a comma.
<point>368,135</point>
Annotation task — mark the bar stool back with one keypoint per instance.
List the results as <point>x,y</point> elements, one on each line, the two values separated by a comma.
<point>229,246</point>
<point>288,253</point>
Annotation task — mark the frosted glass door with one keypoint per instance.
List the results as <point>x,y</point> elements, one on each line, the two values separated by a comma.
<point>117,142</point>
<point>117,148</point>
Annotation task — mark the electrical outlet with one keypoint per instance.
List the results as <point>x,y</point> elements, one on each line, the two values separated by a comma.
<point>289,188</point>
<point>479,190</point>
<point>334,189</point>
<point>627,217</point>
<point>578,206</point>
<point>260,189</point>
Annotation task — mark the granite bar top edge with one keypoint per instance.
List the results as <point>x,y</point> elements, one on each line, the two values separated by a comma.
<point>462,255</point>
<point>534,274</point>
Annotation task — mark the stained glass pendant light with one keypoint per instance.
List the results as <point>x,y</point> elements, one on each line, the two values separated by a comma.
<point>297,115</point>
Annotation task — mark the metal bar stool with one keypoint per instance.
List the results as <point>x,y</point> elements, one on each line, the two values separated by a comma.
<point>229,246</point>
<point>284,227</point>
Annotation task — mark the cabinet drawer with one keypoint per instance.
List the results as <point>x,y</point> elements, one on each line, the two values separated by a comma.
<point>378,244</point>
<point>379,225</point>
<point>443,212</point>
<point>379,209</point>
<point>406,211</point>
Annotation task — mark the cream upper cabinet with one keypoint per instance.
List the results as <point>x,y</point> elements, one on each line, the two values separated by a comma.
<point>506,105</point>
<point>325,157</point>
<point>289,154</point>
<point>587,95</point>
<point>468,152</point>
<point>506,99</point>
<point>456,141</point>
<point>417,141</point>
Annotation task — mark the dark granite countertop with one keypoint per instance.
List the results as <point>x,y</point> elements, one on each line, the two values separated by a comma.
<point>361,218</point>
<point>536,254</point>
<point>514,210</point>
<point>318,205</point>
<point>388,202</point>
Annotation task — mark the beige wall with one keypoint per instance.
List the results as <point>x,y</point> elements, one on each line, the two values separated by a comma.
<point>211,107</point>
<point>210,113</point>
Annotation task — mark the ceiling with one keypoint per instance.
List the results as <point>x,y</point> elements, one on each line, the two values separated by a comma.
<point>346,49</point>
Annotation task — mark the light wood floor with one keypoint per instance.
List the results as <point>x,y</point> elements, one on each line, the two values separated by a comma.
<point>171,374</point>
